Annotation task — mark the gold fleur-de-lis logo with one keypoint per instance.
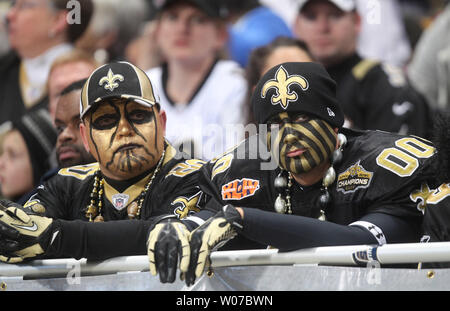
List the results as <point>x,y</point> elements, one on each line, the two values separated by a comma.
<point>282,83</point>
<point>110,80</point>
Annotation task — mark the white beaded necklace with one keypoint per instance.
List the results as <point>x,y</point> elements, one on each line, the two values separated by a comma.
<point>283,184</point>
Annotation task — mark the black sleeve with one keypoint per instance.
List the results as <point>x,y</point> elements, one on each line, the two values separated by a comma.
<point>99,241</point>
<point>291,232</point>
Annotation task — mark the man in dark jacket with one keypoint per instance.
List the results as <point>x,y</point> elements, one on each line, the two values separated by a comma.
<point>372,95</point>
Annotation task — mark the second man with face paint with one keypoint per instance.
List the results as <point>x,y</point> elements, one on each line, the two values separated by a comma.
<point>328,185</point>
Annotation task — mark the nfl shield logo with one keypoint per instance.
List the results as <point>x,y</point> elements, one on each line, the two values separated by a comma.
<point>120,200</point>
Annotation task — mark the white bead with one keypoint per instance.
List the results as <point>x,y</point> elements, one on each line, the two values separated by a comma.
<point>342,140</point>
<point>280,205</point>
<point>330,177</point>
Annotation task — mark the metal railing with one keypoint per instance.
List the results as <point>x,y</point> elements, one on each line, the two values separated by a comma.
<point>333,255</point>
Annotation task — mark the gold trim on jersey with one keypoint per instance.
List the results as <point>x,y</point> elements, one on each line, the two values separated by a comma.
<point>135,190</point>
<point>80,171</point>
<point>132,192</point>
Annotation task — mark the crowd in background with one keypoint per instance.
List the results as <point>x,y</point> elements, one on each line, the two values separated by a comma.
<point>409,40</point>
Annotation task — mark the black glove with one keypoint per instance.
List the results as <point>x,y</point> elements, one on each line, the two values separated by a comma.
<point>23,235</point>
<point>213,234</point>
<point>168,243</point>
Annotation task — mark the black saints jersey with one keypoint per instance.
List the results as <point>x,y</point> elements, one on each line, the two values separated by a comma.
<point>437,215</point>
<point>173,190</point>
<point>436,223</point>
<point>380,173</point>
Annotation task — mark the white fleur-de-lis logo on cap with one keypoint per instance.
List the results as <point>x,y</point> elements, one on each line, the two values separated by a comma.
<point>110,80</point>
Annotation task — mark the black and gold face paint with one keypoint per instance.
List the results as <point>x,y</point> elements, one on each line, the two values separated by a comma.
<point>300,143</point>
<point>124,137</point>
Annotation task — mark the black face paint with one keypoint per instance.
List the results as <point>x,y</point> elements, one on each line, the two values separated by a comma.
<point>301,143</point>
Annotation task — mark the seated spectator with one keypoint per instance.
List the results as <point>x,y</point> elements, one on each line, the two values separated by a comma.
<point>26,150</point>
<point>200,92</point>
<point>69,145</point>
<point>373,95</point>
<point>65,70</point>
<point>137,181</point>
<point>252,25</point>
<point>323,184</point>
<point>38,32</point>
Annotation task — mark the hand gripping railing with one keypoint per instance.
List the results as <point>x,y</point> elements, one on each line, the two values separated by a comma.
<point>405,253</point>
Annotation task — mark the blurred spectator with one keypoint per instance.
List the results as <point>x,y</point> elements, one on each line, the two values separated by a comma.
<point>252,25</point>
<point>39,31</point>
<point>4,44</point>
<point>375,42</point>
<point>200,92</point>
<point>115,24</point>
<point>429,70</point>
<point>26,150</point>
<point>280,50</point>
<point>65,70</point>
<point>69,146</point>
<point>373,95</point>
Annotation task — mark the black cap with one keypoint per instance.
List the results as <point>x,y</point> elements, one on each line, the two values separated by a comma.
<point>297,87</point>
<point>343,5</point>
<point>117,80</point>
<point>212,8</point>
<point>39,134</point>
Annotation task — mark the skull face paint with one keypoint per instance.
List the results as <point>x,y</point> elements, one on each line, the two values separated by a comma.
<point>125,137</point>
<point>300,143</point>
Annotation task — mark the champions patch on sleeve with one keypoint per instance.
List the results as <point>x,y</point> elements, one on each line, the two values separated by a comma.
<point>239,189</point>
<point>354,178</point>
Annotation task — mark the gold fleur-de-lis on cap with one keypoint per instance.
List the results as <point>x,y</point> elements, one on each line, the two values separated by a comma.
<point>110,80</point>
<point>281,83</point>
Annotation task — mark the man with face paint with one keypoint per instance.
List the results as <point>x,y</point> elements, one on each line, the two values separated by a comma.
<point>329,185</point>
<point>139,179</point>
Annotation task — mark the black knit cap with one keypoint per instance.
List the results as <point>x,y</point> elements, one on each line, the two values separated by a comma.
<point>300,88</point>
<point>40,136</point>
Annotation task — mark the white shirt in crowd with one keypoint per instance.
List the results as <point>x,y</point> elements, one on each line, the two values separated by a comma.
<point>213,119</point>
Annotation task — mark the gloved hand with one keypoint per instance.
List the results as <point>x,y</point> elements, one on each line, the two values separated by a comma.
<point>211,235</point>
<point>168,243</point>
<point>22,234</point>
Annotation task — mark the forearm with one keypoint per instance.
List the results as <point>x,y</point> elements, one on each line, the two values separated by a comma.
<point>98,241</point>
<point>289,232</point>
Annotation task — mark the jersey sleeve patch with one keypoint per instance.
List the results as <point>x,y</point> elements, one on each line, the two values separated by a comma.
<point>239,189</point>
<point>354,178</point>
